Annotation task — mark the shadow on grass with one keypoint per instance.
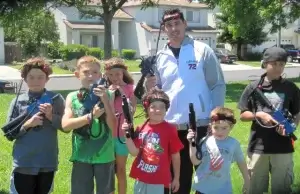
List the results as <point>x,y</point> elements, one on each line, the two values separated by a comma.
<point>4,192</point>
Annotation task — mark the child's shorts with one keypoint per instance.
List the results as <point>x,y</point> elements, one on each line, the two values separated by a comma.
<point>120,148</point>
<point>82,181</point>
<point>144,188</point>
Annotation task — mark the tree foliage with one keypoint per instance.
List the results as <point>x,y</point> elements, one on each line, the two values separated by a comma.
<point>278,13</point>
<point>30,29</point>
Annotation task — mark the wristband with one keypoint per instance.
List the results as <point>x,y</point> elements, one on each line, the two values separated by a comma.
<point>88,117</point>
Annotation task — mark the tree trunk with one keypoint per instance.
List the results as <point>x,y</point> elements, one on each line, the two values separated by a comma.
<point>107,18</point>
<point>239,50</point>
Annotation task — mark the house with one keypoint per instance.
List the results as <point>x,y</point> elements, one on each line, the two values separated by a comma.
<point>133,28</point>
<point>2,53</point>
<point>289,35</point>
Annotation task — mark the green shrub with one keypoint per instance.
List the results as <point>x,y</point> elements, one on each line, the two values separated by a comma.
<point>96,52</point>
<point>73,51</point>
<point>128,53</point>
<point>53,50</point>
<point>115,53</point>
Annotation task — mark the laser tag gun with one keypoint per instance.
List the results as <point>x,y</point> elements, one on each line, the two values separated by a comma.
<point>284,118</point>
<point>93,99</point>
<point>146,69</point>
<point>13,127</point>
<point>128,117</point>
<point>192,121</point>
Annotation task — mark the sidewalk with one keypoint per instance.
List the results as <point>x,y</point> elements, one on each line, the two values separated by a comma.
<point>8,73</point>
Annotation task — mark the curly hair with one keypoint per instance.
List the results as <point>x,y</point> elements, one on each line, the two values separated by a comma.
<point>87,60</point>
<point>222,113</point>
<point>152,94</point>
<point>116,62</point>
<point>36,63</point>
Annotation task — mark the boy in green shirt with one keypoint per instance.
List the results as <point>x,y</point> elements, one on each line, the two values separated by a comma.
<point>92,143</point>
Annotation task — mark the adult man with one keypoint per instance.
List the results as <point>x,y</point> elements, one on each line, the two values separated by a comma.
<point>189,72</point>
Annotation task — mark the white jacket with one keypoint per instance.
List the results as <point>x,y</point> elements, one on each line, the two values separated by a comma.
<point>190,79</point>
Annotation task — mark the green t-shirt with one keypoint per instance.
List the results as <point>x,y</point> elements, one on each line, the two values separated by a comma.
<point>93,150</point>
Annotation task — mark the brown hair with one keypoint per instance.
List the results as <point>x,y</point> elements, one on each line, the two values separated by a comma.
<point>87,60</point>
<point>118,63</point>
<point>222,113</point>
<point>36,63</point>
<point>154,93</point>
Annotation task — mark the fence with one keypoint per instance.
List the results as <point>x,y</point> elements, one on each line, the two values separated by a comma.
<point>12,51</point>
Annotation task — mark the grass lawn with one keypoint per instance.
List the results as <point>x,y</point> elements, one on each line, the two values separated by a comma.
<point>133,66</point>
<point>62,179</point>
<point>250,63</point>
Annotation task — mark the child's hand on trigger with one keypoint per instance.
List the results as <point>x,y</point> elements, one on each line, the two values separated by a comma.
<point>97,111</point>
<point>47,110</point>
<point>266,118</point>
<point>35,120</point>
<point>125,126</point>
<point>190,135</point>
<point>101,92</point>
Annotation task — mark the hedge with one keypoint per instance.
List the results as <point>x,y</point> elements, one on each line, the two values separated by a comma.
<point>128,53</point>
<point>75,51</point>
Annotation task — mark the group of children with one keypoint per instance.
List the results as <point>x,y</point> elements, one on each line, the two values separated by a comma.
<point>100,148</point>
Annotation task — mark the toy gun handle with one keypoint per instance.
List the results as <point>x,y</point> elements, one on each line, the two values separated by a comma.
<point>192,121</point>
<point>293,136</point>
<point>127,116</point>
<point>139,89</point>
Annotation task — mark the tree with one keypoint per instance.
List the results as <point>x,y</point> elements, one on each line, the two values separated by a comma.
<point>238,33</point>
<point>32,29</point>
<point>106,9</point>
<point>271,10</point>
<point>13,6</point>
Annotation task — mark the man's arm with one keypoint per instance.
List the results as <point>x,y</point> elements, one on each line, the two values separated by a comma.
<point>214,78</point>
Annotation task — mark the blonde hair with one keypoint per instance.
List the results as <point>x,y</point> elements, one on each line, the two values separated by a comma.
<point>87,60</point>
<point>116,62</point>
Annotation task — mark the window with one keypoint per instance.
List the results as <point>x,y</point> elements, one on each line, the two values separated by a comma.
<point>94,41</point>
<point>193,16</point>
<point>190,16</point>
<point>160,13</point>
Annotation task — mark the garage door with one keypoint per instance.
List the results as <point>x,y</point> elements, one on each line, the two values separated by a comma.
<point>286,41</point>
<point>206,40</point>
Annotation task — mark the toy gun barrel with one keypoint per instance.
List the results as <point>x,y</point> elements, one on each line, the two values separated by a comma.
<point>262,99</point>
<point>192,121</point>
<point>12,128</point>
<point>127,116</point>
